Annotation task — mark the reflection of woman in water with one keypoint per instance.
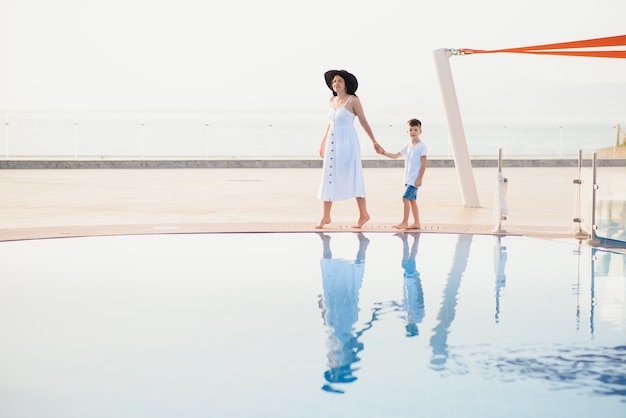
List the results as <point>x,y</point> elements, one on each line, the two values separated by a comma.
<point>413,302</point>
<point>341,280</point>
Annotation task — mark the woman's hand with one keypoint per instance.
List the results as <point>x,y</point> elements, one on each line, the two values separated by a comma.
<point>379,149</point>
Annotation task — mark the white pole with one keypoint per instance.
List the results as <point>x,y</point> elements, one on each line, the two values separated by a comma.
<point>75,135</point>
<point>578,219</point>
<point>593,238</point>
<point>143,126</point>
<point>206,145</point>
<point>560,141</point>
<point>270,140</point>
<point>6,135</point>
<point>460,152</point>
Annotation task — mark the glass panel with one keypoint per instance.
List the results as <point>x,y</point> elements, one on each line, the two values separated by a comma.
<point>611,203</point>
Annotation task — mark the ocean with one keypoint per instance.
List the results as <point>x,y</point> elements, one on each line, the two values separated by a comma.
<point>198,135</point>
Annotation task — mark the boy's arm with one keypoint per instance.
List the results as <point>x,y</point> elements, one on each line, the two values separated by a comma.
<point>394,155</point>
<point>418,182</point>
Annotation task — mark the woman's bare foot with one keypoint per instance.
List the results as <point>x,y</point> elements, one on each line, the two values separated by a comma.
<point>323,236</point>
<point>324,221</point>
<point>362,221</point>
<point>401,225</point>
<point>362,238</point>
<point>415,226</point>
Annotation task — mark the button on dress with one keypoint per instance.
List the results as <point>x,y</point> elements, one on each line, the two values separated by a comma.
<point>342,171</point>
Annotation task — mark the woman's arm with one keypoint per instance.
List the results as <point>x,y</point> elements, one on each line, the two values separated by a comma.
<point>357,109</point>
<point>323,144</point>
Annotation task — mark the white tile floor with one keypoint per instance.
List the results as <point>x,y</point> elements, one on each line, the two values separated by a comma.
<point>67,202</point>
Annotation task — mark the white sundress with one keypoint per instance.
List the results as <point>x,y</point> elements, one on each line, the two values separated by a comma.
<point>342,172</point>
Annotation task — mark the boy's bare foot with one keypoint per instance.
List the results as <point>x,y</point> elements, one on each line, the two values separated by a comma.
<point>362,221</point>
<point>324,221</point>
<point>401,225</point>
<point>415,226</point>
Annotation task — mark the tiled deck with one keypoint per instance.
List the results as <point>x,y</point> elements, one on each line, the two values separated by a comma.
<point>48,203</point>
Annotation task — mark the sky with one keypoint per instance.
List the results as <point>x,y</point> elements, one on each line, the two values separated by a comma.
<point>270,56</point>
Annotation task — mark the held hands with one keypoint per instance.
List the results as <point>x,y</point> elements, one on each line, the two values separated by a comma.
<point>379,149</point>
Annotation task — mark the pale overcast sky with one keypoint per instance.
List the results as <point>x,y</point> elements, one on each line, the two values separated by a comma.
<point>189,55</point>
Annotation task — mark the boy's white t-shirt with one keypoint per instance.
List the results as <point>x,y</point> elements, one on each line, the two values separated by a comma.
<point>413,161</point>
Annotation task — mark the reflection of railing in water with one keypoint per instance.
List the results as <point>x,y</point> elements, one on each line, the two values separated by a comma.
<point>499,264</point>
<point>564,365</point>
<point>601,269</point>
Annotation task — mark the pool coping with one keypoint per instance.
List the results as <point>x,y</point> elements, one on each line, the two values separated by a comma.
<point>67,231</point>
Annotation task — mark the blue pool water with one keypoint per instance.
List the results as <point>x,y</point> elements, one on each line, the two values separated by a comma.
<point>311,325</point>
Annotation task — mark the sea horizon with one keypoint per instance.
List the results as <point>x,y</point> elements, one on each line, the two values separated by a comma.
<point>296,134</point>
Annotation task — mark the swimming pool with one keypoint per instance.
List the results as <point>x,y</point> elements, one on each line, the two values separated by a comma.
<point>311,325</point>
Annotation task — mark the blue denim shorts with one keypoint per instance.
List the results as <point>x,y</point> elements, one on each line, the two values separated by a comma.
<point>410,193</point>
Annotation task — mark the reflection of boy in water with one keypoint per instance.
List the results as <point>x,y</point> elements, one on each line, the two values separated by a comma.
<point>413,294</point>
<point>341,280</point>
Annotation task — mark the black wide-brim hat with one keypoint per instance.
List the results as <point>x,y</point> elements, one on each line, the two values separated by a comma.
<point>351,82</point>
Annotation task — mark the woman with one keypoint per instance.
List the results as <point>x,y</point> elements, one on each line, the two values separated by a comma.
<point>342,173</point>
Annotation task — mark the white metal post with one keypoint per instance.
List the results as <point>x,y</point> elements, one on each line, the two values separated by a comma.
<point>6,136</point>
<point>593,238</point>
<point>75,136</point>
<point>206,144</point>
<point>579,233</point>
<point>460,152</point>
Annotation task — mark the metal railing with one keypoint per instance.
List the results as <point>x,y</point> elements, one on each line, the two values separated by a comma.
<point>101,136</point>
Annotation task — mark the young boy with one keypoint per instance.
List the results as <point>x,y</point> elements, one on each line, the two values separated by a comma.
<point>414,168</point>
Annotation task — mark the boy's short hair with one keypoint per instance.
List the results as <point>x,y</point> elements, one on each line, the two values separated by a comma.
<point>414,122</point>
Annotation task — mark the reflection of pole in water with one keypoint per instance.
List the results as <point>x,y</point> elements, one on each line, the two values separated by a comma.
<point>601,265</point>
<point>500,257</point>
<point>576,287</point>
<point>447,312</point>
<point>593,292</point>
<point>341,280</point>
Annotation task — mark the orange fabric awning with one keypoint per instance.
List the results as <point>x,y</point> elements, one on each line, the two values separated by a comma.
<point>556,49</point>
